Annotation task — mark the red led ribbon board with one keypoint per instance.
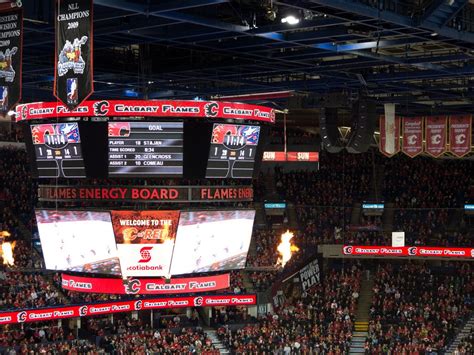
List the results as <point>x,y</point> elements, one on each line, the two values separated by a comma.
<point>422,252</point>
<point>145,286</point>
<point>146,193</point>
<point>144,108</point>
<point>38,315</point>
<point>291,156</point>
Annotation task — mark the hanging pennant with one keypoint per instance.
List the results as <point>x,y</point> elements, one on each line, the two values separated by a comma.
<point>436,135</point>
<point>412,136</point>
<point>73,76</point>
<point>389,143</point>
<point>11,49</point>
<point>460,133</point>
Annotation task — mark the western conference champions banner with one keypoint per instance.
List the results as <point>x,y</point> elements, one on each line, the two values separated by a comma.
<point>412,136</point>
<point>11,49</point>
<point>73,76</point>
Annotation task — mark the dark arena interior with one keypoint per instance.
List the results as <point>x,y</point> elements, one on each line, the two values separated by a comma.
<point>236,177</point>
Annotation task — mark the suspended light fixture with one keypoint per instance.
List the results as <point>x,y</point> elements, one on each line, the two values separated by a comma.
<point>290,19</point>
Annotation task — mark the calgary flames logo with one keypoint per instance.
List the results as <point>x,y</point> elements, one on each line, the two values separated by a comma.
<point>21,317</point>
<point>436,139</point>
<point>347,250</point>
<point>101,108</point>
<point>211,109</point>
<point>460,138</point>
<point>198,301</point>
<point>138,305</point>
<point>411,139</point>
<point>83,311</point>
<point>412,250</point>
<point>132,286</point>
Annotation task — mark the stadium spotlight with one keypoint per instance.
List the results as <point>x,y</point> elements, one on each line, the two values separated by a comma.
<point>291,20</point>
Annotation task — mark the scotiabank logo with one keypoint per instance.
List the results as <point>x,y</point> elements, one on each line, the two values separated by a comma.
<point>145,254</point>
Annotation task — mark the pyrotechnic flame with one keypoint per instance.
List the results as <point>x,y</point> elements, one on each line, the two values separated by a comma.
<point>7,253</point>
<point>286,248</point>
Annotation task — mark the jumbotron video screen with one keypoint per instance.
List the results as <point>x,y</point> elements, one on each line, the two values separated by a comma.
<point>145,243</point>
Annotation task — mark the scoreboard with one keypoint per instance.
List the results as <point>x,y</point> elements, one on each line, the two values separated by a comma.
<point>58,150</point>
<point>233,151</point>
<point>145,149</point>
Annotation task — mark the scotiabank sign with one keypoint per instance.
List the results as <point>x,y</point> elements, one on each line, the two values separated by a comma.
<point>418,251</point>
<point>145,286</point>
<point>145,193</point>
<point>37,315</point>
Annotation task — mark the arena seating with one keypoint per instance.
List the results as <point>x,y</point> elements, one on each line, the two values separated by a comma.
<point>416,306</point>
<point>319,320</point>
<point>426,182</point>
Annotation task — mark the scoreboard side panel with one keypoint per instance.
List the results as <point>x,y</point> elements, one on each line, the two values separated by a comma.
<point>94,148</point>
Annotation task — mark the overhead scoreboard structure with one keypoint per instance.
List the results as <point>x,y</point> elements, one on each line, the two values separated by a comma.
<point>136,250</point>
<point>155,138</point>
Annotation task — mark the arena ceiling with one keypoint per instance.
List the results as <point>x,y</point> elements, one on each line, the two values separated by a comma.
<point>416,53</point>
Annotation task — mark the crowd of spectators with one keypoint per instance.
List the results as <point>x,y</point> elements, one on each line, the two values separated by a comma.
<point>341,180</point>
<point>10,133</point>
<point>427,183</point>
<point>466,345</point>
<point>318,320</point>
<point>19,290</point>
<point>416,306</point>
<point>132,336</point>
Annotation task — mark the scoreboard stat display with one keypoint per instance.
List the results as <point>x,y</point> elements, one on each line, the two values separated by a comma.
<point>145,149</point>
<point>58,150</point>
<point>233,150</point>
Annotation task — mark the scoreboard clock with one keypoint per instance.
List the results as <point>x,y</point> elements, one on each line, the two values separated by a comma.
<point>58,150</point>
<point>233,150</point>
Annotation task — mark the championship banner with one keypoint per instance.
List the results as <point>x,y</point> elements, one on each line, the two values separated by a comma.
<point>43,314</point>
<point>147,194</point>
<point>310,275</point>
<point>11,57</point>
<point>145,286</point>
<point>389,143</point>
<point>460,134</point>
<point>412,136</point>
<point>408,251</point>
<point>145,241</point>
<point>73,73</point>
<point>147,108</point>
<point>436,137</point>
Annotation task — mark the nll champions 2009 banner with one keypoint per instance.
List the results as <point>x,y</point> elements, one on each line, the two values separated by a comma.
<point>73,58</point>
<point>11,43</point>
